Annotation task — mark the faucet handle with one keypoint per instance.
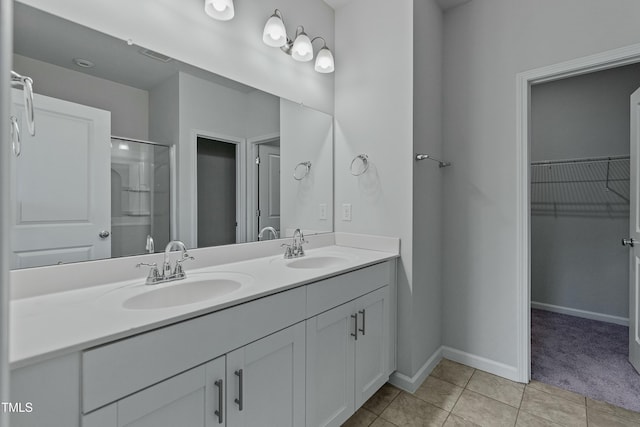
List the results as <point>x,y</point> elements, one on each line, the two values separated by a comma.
<point>154,274</point>
<point>153,264</point>
<point>178,270</point>
<point>288,252</point>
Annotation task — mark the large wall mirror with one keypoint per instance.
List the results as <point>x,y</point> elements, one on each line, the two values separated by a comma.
<point>133,149</point>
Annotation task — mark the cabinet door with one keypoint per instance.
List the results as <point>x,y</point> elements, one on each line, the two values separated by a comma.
<point>330,366</point>
<point>185,400</point>
<point>372,344</point>
<point>266,381</point>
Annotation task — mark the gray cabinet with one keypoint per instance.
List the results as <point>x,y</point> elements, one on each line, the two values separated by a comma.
<point>347,351</point>
<point>266,381</point>
<point>189,399</point>
<point>260,384</point>
<point>274,370</point>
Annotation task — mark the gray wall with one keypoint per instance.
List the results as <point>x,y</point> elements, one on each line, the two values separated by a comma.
<point>374,115</point>
<point>305,135</point>
<point>390,108</point>
<point>219,112</point>
<point>427,181</point>
<point>578,262</point>
<point>129,106</point>
<point>487,42</point>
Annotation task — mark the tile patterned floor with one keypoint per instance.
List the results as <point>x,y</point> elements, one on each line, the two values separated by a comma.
<point>457,395</point>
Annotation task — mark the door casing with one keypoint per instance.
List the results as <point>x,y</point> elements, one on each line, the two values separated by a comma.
<point>598,62</point>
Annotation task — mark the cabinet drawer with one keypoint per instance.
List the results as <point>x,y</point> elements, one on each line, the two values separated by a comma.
<point>116,370</point>
<point>326,294</point>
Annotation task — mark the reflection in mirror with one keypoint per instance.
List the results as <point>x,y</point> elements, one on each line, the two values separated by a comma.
<point>135,149</point>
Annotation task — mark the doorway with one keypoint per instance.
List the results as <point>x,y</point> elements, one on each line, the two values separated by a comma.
<point>217,192</point>
<point>263,191</point>
<point>524,81</point>
<point>580,176</point>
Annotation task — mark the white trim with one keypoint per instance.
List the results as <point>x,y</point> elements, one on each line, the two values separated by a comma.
<point>252,180</point>
<point>484,364</point>
<point>624,321</point>
<point>241,185</point>
<point>6,47</point>
<point>262,139</point>
<point>605,60</point>
<point>411,384</point>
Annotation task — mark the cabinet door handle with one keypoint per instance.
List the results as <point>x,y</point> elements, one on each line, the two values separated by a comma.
<point>218,412</point>
<point>364,321</point>
<point>239,399</point>
<point>355,331</point>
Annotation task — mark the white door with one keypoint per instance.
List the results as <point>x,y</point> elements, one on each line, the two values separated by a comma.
<point>330,366</point>
<point>373,340</point>
<point>634,233</point>
<point>266,381</point>
<point>269,187</point>
<point>61,193</point>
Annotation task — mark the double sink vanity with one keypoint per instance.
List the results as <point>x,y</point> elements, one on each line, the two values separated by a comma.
<point>248,338</point>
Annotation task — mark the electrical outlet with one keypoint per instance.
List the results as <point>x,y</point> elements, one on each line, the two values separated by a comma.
<point>346,211</point>
<point>322,214</point>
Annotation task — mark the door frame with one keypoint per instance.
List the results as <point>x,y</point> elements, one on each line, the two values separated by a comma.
<point>241,185</point>
<point>602,61</point>
<point>252,179</point>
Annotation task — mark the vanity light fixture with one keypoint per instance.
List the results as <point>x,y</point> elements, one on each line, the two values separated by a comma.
<point>301,47</point>
<point>222,10</point>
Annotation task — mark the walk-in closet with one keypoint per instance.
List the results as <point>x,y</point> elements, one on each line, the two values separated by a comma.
<point>580,192</point>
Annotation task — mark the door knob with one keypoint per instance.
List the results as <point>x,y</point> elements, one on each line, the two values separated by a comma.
<point>628,242</point>
<point>104,234</point>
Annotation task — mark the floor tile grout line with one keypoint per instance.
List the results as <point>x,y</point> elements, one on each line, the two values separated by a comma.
<point>491,398</point>
<point>559,397</point>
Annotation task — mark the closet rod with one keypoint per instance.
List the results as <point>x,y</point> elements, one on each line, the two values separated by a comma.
<point>585,160</point>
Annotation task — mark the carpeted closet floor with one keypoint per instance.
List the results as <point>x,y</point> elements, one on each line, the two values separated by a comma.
<point>585,356</point>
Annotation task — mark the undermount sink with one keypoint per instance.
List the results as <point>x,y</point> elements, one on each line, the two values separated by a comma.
<point>316,262</point>
<point>189,291</point>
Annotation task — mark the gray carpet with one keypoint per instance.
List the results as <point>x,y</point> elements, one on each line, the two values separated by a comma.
<point>585,356</point>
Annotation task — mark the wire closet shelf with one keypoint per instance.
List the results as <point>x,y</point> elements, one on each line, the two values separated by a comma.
<point>591,187</point>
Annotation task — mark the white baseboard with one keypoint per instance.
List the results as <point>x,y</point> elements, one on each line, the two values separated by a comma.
<point>479,362</point>
<point>411,384</point>
<point>624,321</point>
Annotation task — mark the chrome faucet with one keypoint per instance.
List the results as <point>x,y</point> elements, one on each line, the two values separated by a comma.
<point>270,229</point>
<point>150,246</point>
<point>295,249</point>
<point>168,273</point>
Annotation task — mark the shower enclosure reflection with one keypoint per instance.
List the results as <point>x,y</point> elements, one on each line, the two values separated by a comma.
<point>140,195</point>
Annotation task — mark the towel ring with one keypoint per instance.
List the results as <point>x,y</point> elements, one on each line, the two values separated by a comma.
<point>15,136</point>
<point>364,159</point>
<point>301,170</point>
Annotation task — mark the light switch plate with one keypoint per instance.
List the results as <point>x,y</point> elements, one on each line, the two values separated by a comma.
<point>322,212</point>
<point>346,211</point>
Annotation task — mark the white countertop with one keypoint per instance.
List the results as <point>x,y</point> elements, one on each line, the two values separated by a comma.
<point>53,324</point>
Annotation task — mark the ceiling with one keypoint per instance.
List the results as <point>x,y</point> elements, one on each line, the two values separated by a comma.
<point>42,36</point>
<point>444,4</point>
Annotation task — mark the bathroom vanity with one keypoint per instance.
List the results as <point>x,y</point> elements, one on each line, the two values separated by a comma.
<point>296,342</point>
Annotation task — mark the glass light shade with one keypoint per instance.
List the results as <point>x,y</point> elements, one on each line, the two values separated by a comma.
<point>222,10</point>
<point>274,34</point>
<point>324,61</point>
<point>302,49</point>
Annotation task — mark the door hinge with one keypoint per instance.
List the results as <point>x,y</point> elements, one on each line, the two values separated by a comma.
<point>258,213</point>
<point>258,160</point>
